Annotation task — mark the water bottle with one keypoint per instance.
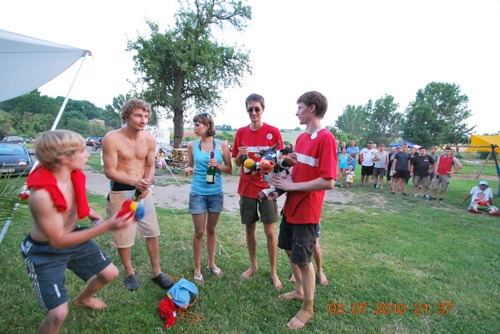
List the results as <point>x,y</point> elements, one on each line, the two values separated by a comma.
<point>211,171</point>
<point>138,193</point>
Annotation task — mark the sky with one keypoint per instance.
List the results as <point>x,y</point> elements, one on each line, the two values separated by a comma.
<point>351,51</point>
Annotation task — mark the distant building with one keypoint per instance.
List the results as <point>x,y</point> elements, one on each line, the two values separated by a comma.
<point>161,132</point>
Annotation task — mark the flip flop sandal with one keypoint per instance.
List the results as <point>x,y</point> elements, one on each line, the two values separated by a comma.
<point>198,279</point>
<point>217,272</point>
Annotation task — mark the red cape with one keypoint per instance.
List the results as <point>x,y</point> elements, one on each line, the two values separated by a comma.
<point>42,178</point>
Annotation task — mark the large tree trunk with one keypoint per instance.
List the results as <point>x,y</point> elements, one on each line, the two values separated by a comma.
<point>178,127</point>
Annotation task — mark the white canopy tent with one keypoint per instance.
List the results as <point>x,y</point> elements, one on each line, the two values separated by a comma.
<point>27,63</point>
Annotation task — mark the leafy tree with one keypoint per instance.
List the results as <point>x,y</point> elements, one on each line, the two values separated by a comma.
<point>5,125</point>
<point>96,129</point>
<point>25,112</point>
<point>69,115</point>
<point>185,67</point>
<point>340,136</point>
<point>86,109</point>
<point>27,124</point>
<point>112,113</point>
<point>223,135</point>
<point>41,123</point>
<point>383,122</point>
<point>438,115</point>
<point>32,102</point>
<point>224,127</point>
<point>77,125</point>
<point>352,121</point>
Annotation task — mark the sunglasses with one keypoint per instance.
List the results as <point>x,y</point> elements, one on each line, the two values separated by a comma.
<point>250,110</point>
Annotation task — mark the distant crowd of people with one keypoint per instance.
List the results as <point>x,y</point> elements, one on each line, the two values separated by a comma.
<point>429,172</point>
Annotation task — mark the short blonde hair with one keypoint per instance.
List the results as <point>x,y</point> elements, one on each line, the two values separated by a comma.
<point>50,146</point>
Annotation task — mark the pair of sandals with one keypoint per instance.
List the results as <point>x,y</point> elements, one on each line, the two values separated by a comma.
<point>199,279</point>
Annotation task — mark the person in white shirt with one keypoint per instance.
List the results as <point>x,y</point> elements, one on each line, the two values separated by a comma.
<point>366,156</point>
<point>482,198</point>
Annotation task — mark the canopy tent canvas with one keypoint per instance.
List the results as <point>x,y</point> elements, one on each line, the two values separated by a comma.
<point>27,63</point>
<point>483,143</point>
<point>398,144</point>
<point>486,144</point>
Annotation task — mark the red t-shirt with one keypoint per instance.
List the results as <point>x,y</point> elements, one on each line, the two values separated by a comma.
<point>316,158</point>
<point>445,164</point>
<point>261,139</point>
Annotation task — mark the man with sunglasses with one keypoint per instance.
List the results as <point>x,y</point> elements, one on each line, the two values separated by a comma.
<point>248,142</point>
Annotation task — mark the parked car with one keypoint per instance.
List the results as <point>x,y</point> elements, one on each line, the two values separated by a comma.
<point>92,141</point>
<point>15,159</point>
<point>13,139</point>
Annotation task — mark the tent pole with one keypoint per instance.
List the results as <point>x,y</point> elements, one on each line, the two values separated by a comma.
<point>56,121</point>
<point>59,114</point>
<point>493,146</point>
<point>484,165</point>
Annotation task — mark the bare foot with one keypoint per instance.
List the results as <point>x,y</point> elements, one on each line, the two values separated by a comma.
<point>292,278</point>
<point>322,278</point>
<point>93,303</point>
<point>276,282</point>
<point>291,295</point>
<point>300,319</point>
<point>249,272</point>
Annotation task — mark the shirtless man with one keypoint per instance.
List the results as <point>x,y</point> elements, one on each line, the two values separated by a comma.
<point>56,242</point>
<point>129,161</point>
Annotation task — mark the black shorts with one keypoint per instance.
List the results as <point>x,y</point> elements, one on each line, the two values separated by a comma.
<point>47,267</point>
<point>366,170</point>
<point>401,175</point>
<point>299,239</point>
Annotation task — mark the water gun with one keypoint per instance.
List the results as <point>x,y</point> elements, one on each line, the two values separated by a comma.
<point>131,207</point>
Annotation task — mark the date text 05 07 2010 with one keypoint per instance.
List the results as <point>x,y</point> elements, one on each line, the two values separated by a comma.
<point>441,308</point>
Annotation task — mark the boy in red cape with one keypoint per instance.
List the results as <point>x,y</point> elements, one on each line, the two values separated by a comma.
<point>55,242</point>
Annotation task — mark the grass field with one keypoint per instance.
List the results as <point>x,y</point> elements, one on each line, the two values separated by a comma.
<point>395,265</point>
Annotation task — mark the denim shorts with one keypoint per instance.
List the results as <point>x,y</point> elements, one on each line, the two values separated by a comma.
<point>205,203</point>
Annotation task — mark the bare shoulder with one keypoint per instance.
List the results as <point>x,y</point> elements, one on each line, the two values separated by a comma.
<point>150,139</point>
<point>39,200</point>
<point>112,137</point>
<point>111,134</point>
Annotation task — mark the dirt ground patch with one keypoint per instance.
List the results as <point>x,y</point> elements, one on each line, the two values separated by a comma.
<point>169,194</point>
<point>173,193</point>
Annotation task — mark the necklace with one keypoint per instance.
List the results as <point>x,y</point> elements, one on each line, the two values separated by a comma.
<point>199,143</point>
